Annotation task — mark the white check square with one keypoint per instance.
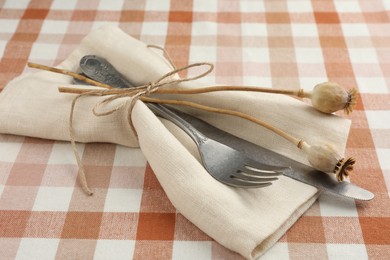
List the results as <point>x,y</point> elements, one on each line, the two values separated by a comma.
<point>123,200</point>
<point>9,151</point>
<point>8,25</point>
<point>114,249</point>
<point>372,85</point>
<point>304,30</point>
<point>309,55</point>
<point>354,30</point>
<point>204,6</point>
<point>37,248</point>
<point>299,6</point>
<point>257,81</point>
<point>63,5</point>
<point>43,51</point>
<point>333,206</point>
<point>258,55</point>
<point>112,5</point>
<point>308,83</point>
<point>384,158</point>
<point>386,5</point>
<point>203,28</point>
<point>347,251</point>
<point>347,6</point>
<point>250,29</point>
<point>2,47</point>
<point>20,4</point>
<point>190,250</point>
<point>363,55</point>
<point>153,5</point>
<point>62,153</point>
<point>203,53</point>
<point>53,199</point>
<point>378,119</point>
<point>252,6</point>
<point>54,27</point>
<point>155,28</point>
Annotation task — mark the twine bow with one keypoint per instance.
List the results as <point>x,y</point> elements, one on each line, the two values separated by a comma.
<point>131,95</point>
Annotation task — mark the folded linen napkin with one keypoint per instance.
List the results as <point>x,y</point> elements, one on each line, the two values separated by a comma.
<point>246,221</point>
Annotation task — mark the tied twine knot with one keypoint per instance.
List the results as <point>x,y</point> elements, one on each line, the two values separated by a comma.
<point>132,94</point>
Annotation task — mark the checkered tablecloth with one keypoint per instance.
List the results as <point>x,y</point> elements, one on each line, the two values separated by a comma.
<point>283,44</point>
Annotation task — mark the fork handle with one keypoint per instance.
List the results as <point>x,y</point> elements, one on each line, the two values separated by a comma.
<point>101,70</point>
<point>169,114</point>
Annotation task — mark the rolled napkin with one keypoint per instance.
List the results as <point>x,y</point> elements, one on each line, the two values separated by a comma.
<point>246,221</point>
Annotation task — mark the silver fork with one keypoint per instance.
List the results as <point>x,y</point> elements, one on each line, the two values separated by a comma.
<point>222,162</point>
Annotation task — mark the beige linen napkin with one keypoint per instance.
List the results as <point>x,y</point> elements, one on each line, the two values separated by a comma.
<point>246,221</point>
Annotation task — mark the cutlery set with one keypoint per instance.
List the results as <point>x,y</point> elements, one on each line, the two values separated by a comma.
<point>227,158</point>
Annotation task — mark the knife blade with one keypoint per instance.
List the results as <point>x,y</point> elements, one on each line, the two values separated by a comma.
<point>299,171</point>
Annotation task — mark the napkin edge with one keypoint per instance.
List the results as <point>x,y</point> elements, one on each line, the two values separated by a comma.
<point>269,242</point>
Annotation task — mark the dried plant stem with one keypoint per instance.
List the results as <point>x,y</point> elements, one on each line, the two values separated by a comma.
<point>290,138</point>
<point>84,90</point>
<point>69,73</point>
<point>276,130</point>
<point>298,93</point>
<point>114,91</point>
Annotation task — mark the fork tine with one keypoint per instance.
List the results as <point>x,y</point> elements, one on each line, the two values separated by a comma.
<point>262,171</point>
<point>253,177</point>
<point>216,157</point>
<point>239,183</point>
<point>265,167</point>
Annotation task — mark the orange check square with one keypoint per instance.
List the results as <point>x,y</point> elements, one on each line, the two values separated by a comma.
<point>156,226</point>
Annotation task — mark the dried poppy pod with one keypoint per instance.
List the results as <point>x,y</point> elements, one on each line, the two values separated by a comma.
<point>326,159</point>
<point>329,97</point>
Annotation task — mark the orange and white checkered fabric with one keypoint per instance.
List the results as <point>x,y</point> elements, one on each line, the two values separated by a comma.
<point>291,44</point>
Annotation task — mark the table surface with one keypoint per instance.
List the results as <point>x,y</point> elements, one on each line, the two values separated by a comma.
<point>293,44</point>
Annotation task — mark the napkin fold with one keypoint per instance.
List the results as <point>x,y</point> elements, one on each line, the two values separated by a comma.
<point>246,221</point>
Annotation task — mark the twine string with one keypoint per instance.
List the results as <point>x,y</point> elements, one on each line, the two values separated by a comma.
<point>131,96</point>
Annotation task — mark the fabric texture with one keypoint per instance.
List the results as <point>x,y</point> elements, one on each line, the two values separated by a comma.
<point>140,213</point>
<point>259,216</point>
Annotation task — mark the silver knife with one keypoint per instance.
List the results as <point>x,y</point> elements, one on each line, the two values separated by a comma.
<point>99,69</point>
<point>299,171</point>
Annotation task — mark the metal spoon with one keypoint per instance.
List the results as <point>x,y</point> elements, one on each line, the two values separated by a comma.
<point>99,69</point>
